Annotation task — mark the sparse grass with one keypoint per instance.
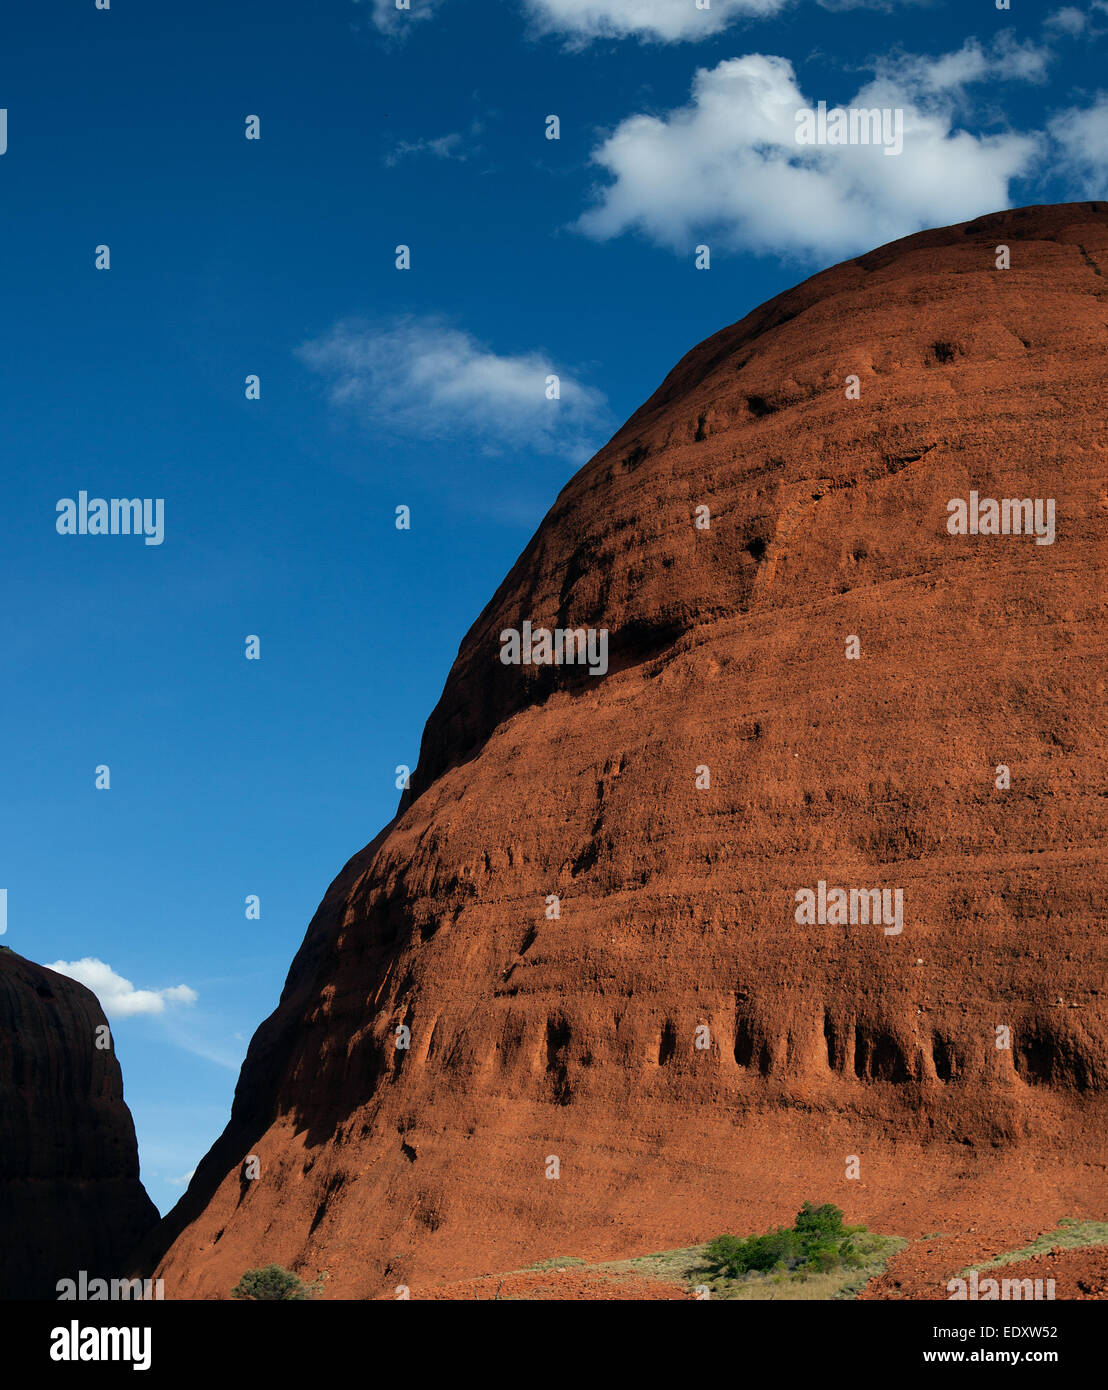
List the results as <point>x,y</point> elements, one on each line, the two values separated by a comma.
<point>698,1266</point>
<point>673,1266</point>
<point>815,1260</point>
<point>935,1235</point>
<point>689,1267</point>
<point>1072,1234</point>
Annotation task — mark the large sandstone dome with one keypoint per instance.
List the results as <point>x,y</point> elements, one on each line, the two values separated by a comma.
<point>576,1036</point>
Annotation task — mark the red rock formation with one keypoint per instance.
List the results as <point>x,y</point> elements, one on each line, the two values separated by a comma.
<point>576,1036</point>
<point>70,1195</point>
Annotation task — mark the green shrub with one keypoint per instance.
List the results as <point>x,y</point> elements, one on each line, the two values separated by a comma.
<point>825,1220</point>
<point>274,1284</point>
<point>818,1241</point>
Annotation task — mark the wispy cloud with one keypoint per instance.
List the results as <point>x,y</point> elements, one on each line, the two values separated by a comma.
<point>1074,22</point>
<point>118,996</point>
<point>1004,59</point>
<point>421,378</point>
<point>457,145</point>
<point>200,1034</point>
<point>395,23</point>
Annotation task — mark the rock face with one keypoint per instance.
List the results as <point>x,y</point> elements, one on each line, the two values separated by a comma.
<point>694,1058</point>
<point>70,1195</point>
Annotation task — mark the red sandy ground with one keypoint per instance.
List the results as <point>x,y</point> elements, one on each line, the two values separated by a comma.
<point>921,1271</point>
<point>571,1283</point>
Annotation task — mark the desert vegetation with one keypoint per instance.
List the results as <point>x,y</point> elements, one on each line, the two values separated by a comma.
<point>274,1284</point>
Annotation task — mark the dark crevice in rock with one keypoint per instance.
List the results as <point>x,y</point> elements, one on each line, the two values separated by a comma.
<point>751,1050</point>
<point>943,1055</point>
<point>558,1034</point>
<point>878,1056</point>
<point>1043,1058</point>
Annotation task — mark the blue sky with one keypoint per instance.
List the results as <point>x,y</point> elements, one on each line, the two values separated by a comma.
<point>379,387</point>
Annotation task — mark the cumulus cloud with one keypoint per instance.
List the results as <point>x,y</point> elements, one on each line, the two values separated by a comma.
<point>727,169</point>
<point>1081,137</point>
<point>579,22</point>
<point>418,377</point>
<point>665,21</point>
<point>118,997</point>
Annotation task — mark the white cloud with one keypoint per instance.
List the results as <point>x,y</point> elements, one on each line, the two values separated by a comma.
<point>1005,59</point>
<point>1081,137</point>
<point>1069,20</point>
<point>387,19</point>
<point>421,378</point>
<point>650,21</point>
<point>443,147</point>
<point>1076,23</point>
<point>836,6</point>
<point>665,21</point>
<point>196,1036</point>
<point>726,169</point>
<point>459,145</point>
<point>118,997</point>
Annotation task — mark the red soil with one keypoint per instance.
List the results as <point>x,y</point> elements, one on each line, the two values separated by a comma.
<point>922,1272</point>
<point>569,1284</point>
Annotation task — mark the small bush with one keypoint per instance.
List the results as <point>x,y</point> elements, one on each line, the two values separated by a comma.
<point>825,1220</point>
<point>817,1242</point>
<point>274,1284</point>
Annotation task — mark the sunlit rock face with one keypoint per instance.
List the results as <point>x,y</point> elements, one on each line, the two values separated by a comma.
<point>814,677</point>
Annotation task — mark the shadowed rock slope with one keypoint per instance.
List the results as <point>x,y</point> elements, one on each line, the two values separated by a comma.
<point>576,1037</point>
<point>70,1195</point>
